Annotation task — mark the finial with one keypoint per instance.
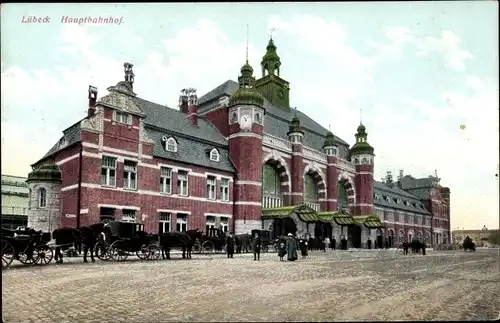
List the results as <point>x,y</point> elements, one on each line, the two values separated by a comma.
<point>361,116</point>
<point>247,46</point>
<point>330,128</point>
<point>295,111</point>
<point>271,33</point>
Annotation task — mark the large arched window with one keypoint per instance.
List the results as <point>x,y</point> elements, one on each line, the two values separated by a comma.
<point>42,197</point>
<point>342,201</point>
<point>271,184</point>
<point>271,187</point>
<point>310,189</point>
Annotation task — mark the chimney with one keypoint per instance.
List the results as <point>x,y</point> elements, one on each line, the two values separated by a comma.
<point>401,174</point>
<point>183,101</point>
<point>192,106</point>
<point>92,100</point>
<point>129,73</point>
<point>388,178</point>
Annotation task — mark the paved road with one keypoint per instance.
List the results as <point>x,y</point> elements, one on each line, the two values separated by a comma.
<point>338,286</point>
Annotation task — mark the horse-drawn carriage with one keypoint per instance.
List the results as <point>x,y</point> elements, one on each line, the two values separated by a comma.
<point>28,246</point>
<point>126,238</point>
<point>468,244</point>
<point>213,241</point>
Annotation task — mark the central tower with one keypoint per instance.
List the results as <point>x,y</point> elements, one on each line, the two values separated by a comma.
<point>246,126</point>
<point>271,85</point>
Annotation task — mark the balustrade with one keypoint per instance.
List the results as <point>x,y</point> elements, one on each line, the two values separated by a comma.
<point>314,206</point>
<point>276,142</point>
<point>270,202</point>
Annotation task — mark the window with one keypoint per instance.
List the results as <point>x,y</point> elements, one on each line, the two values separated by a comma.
<point>182,183</point>
<point>164,223</point>
<point>128,215</point>
<point>211,185</point>
<point>396,217</point>
<point>257,118</point>
<point>214,155</point>
<point>166,180</point>
<point>123,117</point>
<point>182,222</point>
<point>171,145</point>
<point>108,171</point>
<point>407,218</point>
<point>107,214</point>
<point>224,189</point>
<point>415,220</point>
<point>234,117</point>
<point>388,199</point>
<point>209,223</point>
<point>29,199</point>
<point>62,142</point>
<point>224,223</point>
<point>356,161</point>
<point>42,197</point>
<point>130,175</point>
<point>364,161</point>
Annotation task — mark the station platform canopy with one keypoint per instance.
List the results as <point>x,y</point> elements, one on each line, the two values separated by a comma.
<point>304,212</point>
<point>369,221</point>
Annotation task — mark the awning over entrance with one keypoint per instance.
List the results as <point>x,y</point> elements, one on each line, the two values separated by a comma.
<point>339,217</point>
<point>369,221</point>
<point>304,212</point>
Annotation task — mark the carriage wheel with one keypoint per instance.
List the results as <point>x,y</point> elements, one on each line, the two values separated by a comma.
<point>24,259</point>
<point>154,252</point>
<point>101,251</point>
<point>45,255</point>
<point>196,248</point>
<point>8,253</point>
<point>117,252</point>
<point>143,253</point>
<point>208,247</point>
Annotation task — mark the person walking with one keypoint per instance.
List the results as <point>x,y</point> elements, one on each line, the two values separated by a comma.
<point>333,244</point>
<point>281,248</point>
<point>291,246</point>
<point>230,245</point>
<point>326,244</point>
<point>256,247</point>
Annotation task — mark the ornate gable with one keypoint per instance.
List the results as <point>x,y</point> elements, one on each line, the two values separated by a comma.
<point>119,100</point>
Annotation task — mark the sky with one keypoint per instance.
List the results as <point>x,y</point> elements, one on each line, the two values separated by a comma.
<point>422,76</point>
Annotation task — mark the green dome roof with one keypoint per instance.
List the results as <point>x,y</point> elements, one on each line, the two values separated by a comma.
<point>362,148</point>
<point>45,173</point>
<point>329,140</point>
<point>246,69</point>
<point>247,96</point>
<point>295,125</point>
<point>361,129</point>
<point>271,51</point>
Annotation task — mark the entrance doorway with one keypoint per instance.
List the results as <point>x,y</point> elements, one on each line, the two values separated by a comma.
<point>354,235</point>
<point>380,239</point>
<point>283,227</point>
<point>323,230</point>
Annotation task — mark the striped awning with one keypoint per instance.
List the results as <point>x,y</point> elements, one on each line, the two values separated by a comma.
<point>339,217</point>
<point>369,221</point>
<point>304,212</point>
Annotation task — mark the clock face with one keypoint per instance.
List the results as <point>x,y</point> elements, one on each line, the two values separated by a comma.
<point>246,121</point>
<point>281,94</point>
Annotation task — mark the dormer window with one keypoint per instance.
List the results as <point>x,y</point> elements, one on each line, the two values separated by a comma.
<point>234,117</point>
<point>258,118</point>
<point>376,196</point>
<point>171,144</point>
<point>123,117</point>
<point>388,199</point>
<point>62,142</point>
<point>398,201</point>
<point>214,155</point>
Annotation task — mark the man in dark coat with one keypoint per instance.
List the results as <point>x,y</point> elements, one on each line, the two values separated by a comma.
<point>343,241</point>
<point>230,245</point>
<point>333,244</point>
<point>256,247</point>
<point>369,243</point>
<point>405,247</point>
<point>291,248</point>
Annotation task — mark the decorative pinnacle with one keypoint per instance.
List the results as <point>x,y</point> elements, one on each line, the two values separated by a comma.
<point>271,33</point>
<point>247,46</point>
<point>361,116</point>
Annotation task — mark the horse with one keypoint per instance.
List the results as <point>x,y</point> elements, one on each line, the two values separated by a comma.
<point>468,244</point>
<point>243,242</point>
<point>416,246</point>
<point>169,240</point>
<point>85,236</point>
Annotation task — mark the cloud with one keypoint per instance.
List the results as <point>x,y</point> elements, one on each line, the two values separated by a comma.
<point>448,46</point>
<point>38,104</point>
<point>397,37</point>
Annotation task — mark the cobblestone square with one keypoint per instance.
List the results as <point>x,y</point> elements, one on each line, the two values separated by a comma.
<point>338,286</point>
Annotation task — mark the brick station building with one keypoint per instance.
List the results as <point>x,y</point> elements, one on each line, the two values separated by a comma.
<point>238,157</point>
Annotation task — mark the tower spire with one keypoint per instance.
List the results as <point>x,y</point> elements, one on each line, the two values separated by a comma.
<point>361,116</point>
<point>247,46</point>
<point>271,33</point>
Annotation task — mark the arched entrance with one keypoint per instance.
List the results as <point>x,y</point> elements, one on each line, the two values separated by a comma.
<point>411,235</point>
<point>323,230</point>
<point>275,182</point>
<point>419,236</point>
<point>401,236</point>
<point>354,235</point>
<point>390,236</point>
<point>346,191</point>
<point>314,188</point>
<point>380,238</point>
